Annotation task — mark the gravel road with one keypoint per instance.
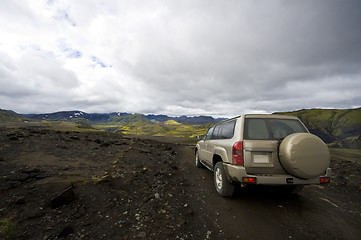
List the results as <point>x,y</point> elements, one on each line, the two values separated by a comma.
<point>319,212</point>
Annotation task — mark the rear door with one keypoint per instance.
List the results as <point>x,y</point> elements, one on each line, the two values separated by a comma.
<point>260,150</point>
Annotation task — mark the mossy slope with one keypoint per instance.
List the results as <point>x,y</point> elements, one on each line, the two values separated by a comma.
<point>339,128</point>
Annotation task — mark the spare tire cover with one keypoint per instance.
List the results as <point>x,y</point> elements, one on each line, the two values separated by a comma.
<point>304,155</point>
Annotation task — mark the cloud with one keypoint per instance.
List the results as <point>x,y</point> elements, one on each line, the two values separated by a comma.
<point>180,57</point>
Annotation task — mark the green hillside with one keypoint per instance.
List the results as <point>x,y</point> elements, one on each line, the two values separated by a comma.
<point>129,118</point>
<point>338,128</point>
<point>10,116</point>
<point>169,128</point>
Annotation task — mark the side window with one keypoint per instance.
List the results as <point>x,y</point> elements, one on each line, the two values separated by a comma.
<point>227,130</point>
<point>216,132</point>
<point>256,129</point>
<point>209,134</point>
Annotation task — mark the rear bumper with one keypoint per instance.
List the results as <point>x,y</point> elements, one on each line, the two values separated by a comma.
<point>237,173</point>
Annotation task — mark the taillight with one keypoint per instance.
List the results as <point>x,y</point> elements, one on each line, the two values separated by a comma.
<point>237,153</point>
<point>249,180</point>
<point>324,180</point>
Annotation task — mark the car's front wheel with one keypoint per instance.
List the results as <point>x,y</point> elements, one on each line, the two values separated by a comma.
<point>223,186</point>
<point>198,162</point>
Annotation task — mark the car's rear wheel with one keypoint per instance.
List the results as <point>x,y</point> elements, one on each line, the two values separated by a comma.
<point>223,186</point>
<point>198,162</point>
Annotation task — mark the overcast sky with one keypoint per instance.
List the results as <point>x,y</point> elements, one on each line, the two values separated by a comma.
<point>219,58</point>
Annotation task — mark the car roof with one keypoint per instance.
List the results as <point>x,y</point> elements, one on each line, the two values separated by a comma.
<point>269,116</point>
<point>278,116</point>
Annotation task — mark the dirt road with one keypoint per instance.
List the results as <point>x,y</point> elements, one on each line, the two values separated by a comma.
<point>318,212</point>
<point>57,184</point>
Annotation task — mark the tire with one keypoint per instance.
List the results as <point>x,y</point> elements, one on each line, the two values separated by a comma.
<point>223,186</point>
<point>304,155</point>
<point>198,162</point>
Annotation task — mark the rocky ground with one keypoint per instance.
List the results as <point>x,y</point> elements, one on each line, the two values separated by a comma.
<point>97,185</point>
<point>78,185</point>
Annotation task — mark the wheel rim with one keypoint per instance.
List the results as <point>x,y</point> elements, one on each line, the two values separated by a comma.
<point>218,178</point>
<point>197,158</point>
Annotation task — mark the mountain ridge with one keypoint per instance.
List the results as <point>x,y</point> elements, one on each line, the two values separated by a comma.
<point>336,127</point>
<point>11,116</point>
<point>120,117</point>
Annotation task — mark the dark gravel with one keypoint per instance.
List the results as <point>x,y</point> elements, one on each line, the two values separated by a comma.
<point>83,185</point>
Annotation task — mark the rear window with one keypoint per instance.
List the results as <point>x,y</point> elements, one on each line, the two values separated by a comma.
<point>271,129</point>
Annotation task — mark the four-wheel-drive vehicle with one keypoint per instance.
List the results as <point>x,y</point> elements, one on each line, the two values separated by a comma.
<point>265,149</point>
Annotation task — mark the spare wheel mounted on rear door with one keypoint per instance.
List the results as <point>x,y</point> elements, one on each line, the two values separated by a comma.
<point>304,155</point>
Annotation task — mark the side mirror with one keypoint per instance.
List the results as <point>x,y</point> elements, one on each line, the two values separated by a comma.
<point>201,137</point>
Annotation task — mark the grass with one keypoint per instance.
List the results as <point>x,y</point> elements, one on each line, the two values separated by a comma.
<point>339,127</point>
<point>9,116</point>
<point>69,126</point>
<point>7,228</point>
<point>167,129</point>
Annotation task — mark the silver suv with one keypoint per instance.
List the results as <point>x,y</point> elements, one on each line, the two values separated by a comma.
<point>264,149</point>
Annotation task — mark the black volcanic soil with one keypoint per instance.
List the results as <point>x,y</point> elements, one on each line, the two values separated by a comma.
<point>94,185</point>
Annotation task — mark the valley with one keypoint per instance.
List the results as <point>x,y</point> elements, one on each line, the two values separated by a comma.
<point>339,128</point>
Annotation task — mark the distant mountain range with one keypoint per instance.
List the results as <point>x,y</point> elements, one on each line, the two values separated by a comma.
<point>120,117</point>
<point>338,128</point>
